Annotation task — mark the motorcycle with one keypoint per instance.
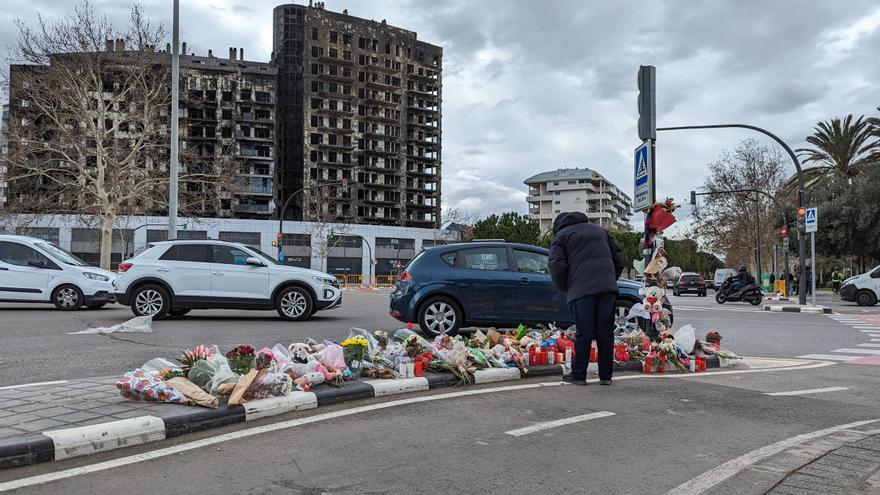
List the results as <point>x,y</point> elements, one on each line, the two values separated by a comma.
<point>750,293</point>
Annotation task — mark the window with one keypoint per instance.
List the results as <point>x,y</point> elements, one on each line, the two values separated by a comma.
<point>531,262</point>
<point>555,183</point>
<point>186,252</point>
<point>227,114</point>
<point>21,255</point>
<point>492,259</point>
<point>333,37</point>
<point>246,238</point>
<point>572,182</point>
<point>315,33</point>
<point>316,103</point>
<point>228,255</point>
<point>557,202</point>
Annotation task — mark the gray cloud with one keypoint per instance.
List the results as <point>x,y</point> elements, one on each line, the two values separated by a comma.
<point>530,86</point>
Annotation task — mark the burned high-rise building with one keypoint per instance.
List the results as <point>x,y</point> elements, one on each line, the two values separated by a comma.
<point>359,101</point>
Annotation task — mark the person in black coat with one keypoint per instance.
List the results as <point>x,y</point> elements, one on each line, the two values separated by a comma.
<point>585,263</point>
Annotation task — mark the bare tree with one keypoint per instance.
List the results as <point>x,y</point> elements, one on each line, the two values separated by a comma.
<point>328,222</point>
<point>90,105</point>
<point>726,223</point>
<point>454,214</point>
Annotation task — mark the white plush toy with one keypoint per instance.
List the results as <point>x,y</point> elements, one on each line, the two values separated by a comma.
<point>309,372</point>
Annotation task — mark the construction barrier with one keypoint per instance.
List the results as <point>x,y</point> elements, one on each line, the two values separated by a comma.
<point>362,280</point>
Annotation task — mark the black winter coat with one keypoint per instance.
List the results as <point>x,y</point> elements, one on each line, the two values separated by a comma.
<point>584,259</point>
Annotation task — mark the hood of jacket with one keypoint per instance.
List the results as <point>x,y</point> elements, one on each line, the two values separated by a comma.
<point>563,220</point>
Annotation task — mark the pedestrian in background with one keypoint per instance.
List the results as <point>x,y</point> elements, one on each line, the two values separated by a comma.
<point>836,279</point>
<point>585,263</point>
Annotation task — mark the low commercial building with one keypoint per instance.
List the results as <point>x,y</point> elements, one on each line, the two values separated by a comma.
<point>357,250</point>
<point>578,189</point>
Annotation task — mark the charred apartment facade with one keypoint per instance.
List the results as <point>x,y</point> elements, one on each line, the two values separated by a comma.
<point>358,100</point>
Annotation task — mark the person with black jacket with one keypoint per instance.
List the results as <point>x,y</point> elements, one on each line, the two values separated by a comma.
<point>585,263</point>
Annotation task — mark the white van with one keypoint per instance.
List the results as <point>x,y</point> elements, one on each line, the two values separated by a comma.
<point>721,275</point>
<point>862,289</point>
<point>33,270</point>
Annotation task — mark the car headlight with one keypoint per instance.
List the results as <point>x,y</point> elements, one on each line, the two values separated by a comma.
<point>96,276</point>
<point>327,281</point>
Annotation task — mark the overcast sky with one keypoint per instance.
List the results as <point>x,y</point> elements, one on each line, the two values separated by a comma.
<point>530,86</point>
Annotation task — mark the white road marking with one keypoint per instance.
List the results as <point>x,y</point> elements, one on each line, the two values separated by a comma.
<point>832,357</point>
<point>546,425</point>
<point>869,345</point>
<point>866,327</point>
<point>858,351</point>
<point>56,382</point>
<point>259,430</point>
<point>808,392</point>
<point>707,480</point>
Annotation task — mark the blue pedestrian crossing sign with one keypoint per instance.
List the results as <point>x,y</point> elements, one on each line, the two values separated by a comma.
<point>812,220</point>
<point>643,177</point>
<point>281,256</point>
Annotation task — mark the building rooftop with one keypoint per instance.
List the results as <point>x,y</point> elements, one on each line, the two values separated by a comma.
<point>564,174</point>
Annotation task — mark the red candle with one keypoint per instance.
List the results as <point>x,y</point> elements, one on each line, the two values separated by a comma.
<point>544,356</point>
<point>532,359</point>
<point>418,368</point>
<point>649,365</point>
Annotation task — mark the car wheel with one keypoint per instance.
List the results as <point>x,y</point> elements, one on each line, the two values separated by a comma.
<point>178,312</point>
<point>95,305</point>
<point>440,315</point>
<point>150,300</point>
<point>621,324</point>
<point>720,298</point>
<point>866,298</point>
<point>294,304</point>
<point>67,297</point>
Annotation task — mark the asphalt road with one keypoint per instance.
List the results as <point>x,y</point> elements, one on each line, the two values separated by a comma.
<point>649,435</point>
<point>36,346</point>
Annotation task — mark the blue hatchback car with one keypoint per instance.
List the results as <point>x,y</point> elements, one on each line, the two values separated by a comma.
<point>487,284</point>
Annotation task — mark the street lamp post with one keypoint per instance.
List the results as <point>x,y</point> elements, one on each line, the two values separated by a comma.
<point>801,199</point>
<point>175,97</point>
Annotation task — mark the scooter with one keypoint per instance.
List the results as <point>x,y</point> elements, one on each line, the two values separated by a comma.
<point>749,293</point>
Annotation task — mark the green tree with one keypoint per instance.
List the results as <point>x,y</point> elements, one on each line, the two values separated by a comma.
<point>849,216</point>
<point>510,226</point>
<point>839,147</point>
<point>629,244</point>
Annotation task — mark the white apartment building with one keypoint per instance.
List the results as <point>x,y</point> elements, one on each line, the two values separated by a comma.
<point>578,189</point>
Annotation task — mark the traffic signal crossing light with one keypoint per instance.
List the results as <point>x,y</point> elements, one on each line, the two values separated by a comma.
<point>783,231</point>
<point>694,198</point>
<point>802,220</point>
<point>647,102</point>
<point>277,243</point>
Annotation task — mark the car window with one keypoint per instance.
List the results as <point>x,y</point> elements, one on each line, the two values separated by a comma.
<point>20,254</point>
<point>229,255</point>
<point>62,255</point>
<point>492,259</point>
<point>449,258</point>
<point>531,262</point>
<point>186,252</point>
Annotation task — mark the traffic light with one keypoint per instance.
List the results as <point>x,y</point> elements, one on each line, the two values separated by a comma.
<point>783,231</point>
<point>647,102</point>
<point>802,220</point>
<point>694,198</point>
<point>277,243</point>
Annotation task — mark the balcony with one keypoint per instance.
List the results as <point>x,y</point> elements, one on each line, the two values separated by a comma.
<point>254,189</point>
<point>265,209</point>
<point>248,137</point>
<point>259,154</point>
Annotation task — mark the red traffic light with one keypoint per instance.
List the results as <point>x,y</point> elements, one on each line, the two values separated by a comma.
<point>783,231</point>
<point>279,236</point>
<point>802,211</point>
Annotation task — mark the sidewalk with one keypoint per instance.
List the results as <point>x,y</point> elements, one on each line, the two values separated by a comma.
<point>59,420</point>
<point>853,468</point>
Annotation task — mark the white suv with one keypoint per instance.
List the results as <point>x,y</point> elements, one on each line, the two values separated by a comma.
<point>173,277</point>
<point>33,270</point>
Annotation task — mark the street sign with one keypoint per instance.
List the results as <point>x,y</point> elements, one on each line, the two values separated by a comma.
<point>812,218</point>
<point>281,256</point>
<point>643,176</point>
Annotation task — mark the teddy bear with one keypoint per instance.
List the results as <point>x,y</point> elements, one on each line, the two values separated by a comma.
<point>308,371</point>
<point>653,305</point>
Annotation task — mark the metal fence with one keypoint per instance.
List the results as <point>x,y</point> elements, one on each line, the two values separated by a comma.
<point>359,280</point>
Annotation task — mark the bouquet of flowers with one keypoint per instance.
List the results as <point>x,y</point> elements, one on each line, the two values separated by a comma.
<point>191,356</point>
<point>264,359</point>
<point>241,359</point>
<point>714,337</point>
<point>669,350</point>
<point>355,350</point>
<point>381,338</point>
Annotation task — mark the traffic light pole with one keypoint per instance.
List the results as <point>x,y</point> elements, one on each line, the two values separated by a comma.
<point>801,199</point>
<point>694,195</point>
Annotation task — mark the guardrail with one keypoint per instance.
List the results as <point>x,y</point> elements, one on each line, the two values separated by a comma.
<point>360,280</point>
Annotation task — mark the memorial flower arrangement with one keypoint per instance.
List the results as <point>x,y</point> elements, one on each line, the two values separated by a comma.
<point>241,359</point>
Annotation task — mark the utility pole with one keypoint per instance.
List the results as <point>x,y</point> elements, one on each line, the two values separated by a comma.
<point>758,235</point>
<point>175,97</point>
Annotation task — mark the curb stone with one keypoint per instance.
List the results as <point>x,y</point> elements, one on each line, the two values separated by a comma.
<point>816,310</point>
<point>55,445</point>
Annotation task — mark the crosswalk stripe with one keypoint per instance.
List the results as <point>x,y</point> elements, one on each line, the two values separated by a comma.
<point>869,345</point>
<point>858,351</point>
<point>829,357</point>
